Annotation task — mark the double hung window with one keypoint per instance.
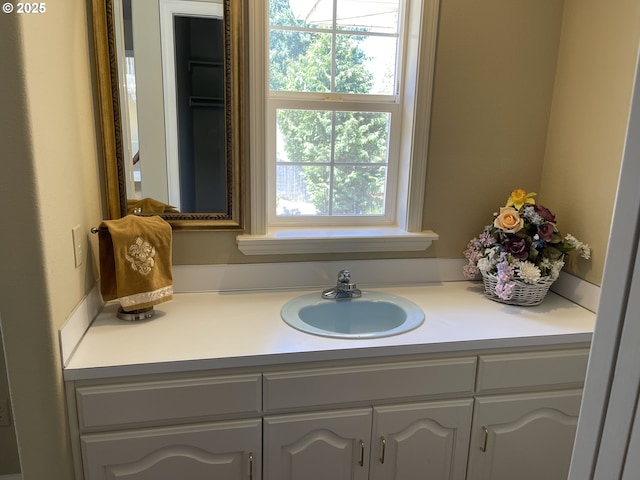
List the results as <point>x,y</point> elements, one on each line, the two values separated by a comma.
<point>333,110</point>
<point>340,93</point>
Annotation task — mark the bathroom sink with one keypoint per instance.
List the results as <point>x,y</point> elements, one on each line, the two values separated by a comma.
<point>373,315</point>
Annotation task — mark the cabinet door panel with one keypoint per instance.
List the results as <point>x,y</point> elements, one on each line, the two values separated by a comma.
<point>426,440</point>
<point>528,436</point>
<point>226,450</point>
<point>176,462</point>
<point>317,446</point>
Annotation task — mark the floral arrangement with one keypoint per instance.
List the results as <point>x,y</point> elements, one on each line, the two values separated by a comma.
<point>522,245</point>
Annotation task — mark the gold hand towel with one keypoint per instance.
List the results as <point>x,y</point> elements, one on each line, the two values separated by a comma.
<point>135,261</point>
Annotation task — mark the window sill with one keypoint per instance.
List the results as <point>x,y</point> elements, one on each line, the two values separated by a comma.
<point>333,240</point>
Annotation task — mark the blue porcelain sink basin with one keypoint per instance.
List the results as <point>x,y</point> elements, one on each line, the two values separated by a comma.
<point>373,315</point>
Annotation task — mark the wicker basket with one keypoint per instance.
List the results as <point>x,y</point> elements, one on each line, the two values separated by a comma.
<point>524,294</point>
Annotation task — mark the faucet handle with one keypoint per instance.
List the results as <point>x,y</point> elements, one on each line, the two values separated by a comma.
<point>344,276</point>
<point>344,288</point>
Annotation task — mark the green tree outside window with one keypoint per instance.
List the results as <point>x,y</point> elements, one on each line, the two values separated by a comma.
<point>341,156</point>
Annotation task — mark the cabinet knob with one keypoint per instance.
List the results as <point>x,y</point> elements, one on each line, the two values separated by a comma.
<point>361,462</point>
<point>250,465</point>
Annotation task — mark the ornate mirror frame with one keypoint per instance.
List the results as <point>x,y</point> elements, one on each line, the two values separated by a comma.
<point>235,135</point>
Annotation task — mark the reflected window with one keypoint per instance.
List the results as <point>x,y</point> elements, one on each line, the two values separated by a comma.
<point>132,110</point>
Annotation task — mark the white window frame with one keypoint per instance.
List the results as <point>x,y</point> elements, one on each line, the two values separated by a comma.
<point>334,101</point>
<point>404,232</point>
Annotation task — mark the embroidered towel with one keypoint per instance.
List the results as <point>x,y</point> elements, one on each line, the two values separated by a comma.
<point>135,261</point>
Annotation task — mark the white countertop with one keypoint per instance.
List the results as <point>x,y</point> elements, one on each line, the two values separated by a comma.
<point>197,331</point>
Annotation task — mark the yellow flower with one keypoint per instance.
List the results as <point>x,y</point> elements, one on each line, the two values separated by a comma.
<point>519,197</point>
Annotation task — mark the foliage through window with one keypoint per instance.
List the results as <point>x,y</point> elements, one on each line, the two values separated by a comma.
<point>334,101</point>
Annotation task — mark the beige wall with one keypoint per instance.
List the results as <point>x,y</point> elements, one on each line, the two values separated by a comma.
<point>495,69</point>
<point>59,92</point>
<point>598,56</point>
<point>489,127</point>
<point>17,194</point>
<point>50,183</point>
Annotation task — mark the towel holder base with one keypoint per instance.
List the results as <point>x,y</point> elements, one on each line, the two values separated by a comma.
<point>134,315</point>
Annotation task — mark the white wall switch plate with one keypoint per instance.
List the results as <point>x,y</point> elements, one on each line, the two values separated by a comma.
<point>78,250</point>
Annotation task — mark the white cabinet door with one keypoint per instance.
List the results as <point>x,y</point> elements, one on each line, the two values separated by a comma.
<point>424,440</point>
<point>524,436</point>
<point>317,446</point>
<point>228,450</point>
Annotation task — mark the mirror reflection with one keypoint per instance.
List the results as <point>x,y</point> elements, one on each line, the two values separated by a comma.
<point>177,158</point>
<point>170,73</point>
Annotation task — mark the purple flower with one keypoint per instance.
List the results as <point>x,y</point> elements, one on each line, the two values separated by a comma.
<point>546,231</point>
<point>517,247</point>
<point>505,290</point>
<point>504,284</point>
<point>545,213</point>
<point>486,239</point>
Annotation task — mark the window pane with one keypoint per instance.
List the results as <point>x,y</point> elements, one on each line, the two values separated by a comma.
<point>303,136</point>
<point>331,162</point>
<point>359,190</point>
<point>365,64</point>
<point>302,190</point>
<point>367,15</point>
<point>362,137</point>
<point>299,61</point>
<point>297,13</point>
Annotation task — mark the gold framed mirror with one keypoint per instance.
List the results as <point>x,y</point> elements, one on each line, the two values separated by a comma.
<point>229,212</point>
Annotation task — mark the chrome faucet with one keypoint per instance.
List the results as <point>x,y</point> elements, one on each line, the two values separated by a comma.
<point>344,288</point>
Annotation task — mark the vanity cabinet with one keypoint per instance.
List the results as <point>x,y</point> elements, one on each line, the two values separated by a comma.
<point>530,435</point>
<point>381,443</point>
<point>431,438</point>
<point>195,428</point>
<point>526,436</point>
<point>480,416</point>
<point>377,441</point>
<point>317,446</point>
